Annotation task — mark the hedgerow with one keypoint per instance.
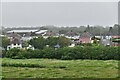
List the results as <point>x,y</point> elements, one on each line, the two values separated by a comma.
<point>67,53</point>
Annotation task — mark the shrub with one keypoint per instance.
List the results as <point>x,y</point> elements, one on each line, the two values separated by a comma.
<point>2,53</point>
<point>48,53</point>
<point>67,53</point>
<point>12,53</point>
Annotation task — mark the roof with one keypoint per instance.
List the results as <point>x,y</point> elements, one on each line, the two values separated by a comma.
<point>85,34</point>
<point>14,35</point>
<point>50,33</point>
<point>71,33</point>
<point>22,31</point>
<point>115,36</point>
<point>41,31</point>
<point>16,41</point>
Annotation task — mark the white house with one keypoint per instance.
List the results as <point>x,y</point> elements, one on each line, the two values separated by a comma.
<point>15,41</point>
<point>19,46</point>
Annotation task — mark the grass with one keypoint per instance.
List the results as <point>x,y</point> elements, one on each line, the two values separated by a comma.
<point>52,68</point>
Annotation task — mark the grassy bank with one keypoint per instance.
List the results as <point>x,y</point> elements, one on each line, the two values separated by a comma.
<point>52,68</point>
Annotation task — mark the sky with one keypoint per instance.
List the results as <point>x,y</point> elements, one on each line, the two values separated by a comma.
<point>29,13</point>
<point>59,0</point>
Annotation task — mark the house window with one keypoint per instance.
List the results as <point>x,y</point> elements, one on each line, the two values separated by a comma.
<point>8,47</point>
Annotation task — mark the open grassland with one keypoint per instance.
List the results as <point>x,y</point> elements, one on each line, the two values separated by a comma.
<point>52,68</point>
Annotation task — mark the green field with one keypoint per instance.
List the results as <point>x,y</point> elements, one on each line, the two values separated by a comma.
<point>52,68</point>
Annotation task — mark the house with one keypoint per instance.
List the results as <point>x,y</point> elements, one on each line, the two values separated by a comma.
<point>95,39</point>
<point>85,37</point>
<point>71,34</point>
<point>105,42</point>
<point>115,40</point>
<point>49,34</point>
<point>41,32</point>
<point>110,40</point>
<point>15,41</point>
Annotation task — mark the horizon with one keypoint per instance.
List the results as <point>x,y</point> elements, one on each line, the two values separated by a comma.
<point>59,26</point>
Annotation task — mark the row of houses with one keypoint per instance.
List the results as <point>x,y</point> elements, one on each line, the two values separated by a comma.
<point>18,36</point>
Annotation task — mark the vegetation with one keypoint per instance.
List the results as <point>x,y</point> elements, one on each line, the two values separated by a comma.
<point>40,42</point>
<point>52,68</point>
<point>5,42</point>
<point>62,41</point>
<point>25,44</point>
<point>67,53</point>
<point>82,61</point>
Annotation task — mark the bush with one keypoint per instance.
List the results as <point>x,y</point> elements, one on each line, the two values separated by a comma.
<point>48,53</point>
<point>99,53</point>
<point>66,53</point>
<point>12,53</point>
<point>2,53</point>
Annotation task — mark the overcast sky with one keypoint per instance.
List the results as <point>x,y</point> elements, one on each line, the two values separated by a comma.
<point>60,0</point>
<point>59,13</point>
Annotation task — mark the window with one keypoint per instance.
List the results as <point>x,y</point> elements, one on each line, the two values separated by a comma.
<point>8,47</point>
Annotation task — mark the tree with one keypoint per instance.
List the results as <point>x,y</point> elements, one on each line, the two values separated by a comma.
<point>88,28</point>
<point>62,31</point>
<point>25,44</point>
<point>38,43</point>
<point>5,42</point>
<point>62,41</point>
<point>52,41</point>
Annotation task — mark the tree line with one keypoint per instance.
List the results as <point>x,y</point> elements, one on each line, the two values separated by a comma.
<point>94,30</point>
